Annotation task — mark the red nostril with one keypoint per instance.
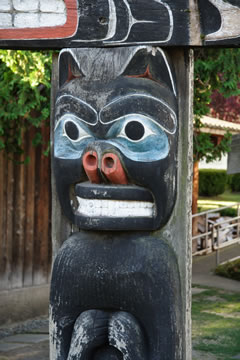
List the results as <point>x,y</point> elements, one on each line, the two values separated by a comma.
<point>90,164</point>
<point>108,162</point>
<point>91,160</point>
<point>113,170</point>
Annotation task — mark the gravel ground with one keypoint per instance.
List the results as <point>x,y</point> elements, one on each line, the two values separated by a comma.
<point>24,327</point>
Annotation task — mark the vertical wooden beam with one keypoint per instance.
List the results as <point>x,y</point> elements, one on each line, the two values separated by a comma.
<point>30,210</point>
<point>42,214</point>
<point>10,224</point>
<point>182,224</point>
<point>19,221</point>
<point>61,228</point>
<point>3,218</point>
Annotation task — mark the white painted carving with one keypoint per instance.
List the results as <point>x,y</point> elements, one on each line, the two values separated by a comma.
<point>26,5</point>
<point>112,26</point>
<point>133,21</point>
<point>130,116</point>
<point>169,70</point>
<point>5,5</point>
<point>32,13</point>
<point>6,20</point>
<point>21,19</point>
<point>67,96</point>
<point>56,19</point>
<point>230,18</point>
<point>173,115</point>
<point>53,6</point>
<point>115,208</point>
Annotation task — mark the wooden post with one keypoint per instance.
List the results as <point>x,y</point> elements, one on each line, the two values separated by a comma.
<point>118,104</point>
<point>122,158</point>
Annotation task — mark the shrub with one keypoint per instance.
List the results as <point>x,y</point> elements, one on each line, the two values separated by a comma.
<point>235,182</point>
<point>231,270</point>
<point>232,212</point>
<point>212,182</point>
<point>229,180</point>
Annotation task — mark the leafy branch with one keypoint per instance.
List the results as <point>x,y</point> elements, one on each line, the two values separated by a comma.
<point>24,96</point>
<point>215,70</point>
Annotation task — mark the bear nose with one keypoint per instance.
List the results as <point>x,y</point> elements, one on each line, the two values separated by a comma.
<point>111,167</point>
<point>90,164</point>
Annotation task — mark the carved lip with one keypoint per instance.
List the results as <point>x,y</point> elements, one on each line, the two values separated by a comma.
<point>114,201</point>
<point>87,190</point>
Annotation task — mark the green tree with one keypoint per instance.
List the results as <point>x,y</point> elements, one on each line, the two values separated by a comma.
<point>24,96</point>
<point>215,69</point>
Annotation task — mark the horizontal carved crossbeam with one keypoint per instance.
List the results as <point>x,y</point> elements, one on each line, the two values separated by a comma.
<point>81,23</point>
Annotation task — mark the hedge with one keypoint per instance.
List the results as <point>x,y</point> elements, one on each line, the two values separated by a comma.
<point>230,270</point>
<point>235,182</point>
<point>212,182</point>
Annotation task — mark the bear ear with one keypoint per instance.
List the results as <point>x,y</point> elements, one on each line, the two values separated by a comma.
<point>68,66</point>
<point>152,63</point>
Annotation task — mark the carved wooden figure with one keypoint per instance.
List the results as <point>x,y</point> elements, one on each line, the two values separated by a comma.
<point>81,23</point>
<point>116,293</point>
<point>120,285</point>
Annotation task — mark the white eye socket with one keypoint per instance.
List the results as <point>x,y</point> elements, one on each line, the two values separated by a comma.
<point>73,131</point>
<point>135,131</point>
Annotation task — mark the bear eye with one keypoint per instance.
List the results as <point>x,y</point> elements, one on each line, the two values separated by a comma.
<point>134,130</point>
<point>71,129</point>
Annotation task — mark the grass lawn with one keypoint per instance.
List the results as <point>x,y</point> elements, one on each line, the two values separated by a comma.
<point>214,202</point>
<point>216,325</point>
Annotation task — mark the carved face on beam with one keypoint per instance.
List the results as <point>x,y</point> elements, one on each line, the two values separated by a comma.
<point>115,151</point>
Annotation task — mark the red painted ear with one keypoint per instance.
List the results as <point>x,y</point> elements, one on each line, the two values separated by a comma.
<point>146,75</point>
<point>71,76</point>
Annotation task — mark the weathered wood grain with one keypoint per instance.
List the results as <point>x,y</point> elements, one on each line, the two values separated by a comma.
<point>60,226</point>
<point>84,275</point>
<point>42,215</point>
<point>10,209</point>
<point>121,22</point>
<point>19,247</point>
<point>3,217</point>
<point>19,221</point>
<point>30,206</point>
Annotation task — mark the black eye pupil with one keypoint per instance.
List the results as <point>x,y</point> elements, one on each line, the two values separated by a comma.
<point>134,130</point>
<point>71,130</point>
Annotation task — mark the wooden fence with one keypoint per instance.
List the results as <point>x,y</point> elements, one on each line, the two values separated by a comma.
<point>25,213</point>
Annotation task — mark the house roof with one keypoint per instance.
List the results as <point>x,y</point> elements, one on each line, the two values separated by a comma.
<point>219,127</point>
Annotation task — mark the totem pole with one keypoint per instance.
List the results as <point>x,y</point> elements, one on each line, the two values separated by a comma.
<point>121,280</point>
<point>116,144</point>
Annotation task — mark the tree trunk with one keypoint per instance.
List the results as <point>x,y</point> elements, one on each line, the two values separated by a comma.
<point>194,202</point>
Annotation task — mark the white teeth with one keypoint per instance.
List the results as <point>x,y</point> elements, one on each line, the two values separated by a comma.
<point>114,208</point>
<point>16,14</point>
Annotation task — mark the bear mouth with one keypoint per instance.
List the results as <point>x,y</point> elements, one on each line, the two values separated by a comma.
<point>114,201</point>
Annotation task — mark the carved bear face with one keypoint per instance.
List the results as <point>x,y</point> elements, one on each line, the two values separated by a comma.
<point>115,146</point>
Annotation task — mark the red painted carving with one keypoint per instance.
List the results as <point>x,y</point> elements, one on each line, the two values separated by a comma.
<point>53,32</point>
<point>113,170</point>
<point>146,75</point>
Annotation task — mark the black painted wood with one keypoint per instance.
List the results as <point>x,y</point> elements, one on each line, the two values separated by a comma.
<point>220,22</point>
<point>127,289</point>
<point>103,99</point>
<point>119,22</point>
<point>116,294</point>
